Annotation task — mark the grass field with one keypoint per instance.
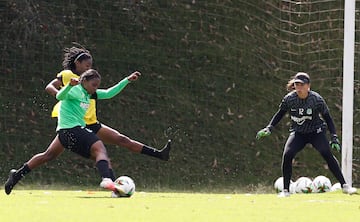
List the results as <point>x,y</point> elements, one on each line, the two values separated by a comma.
<point>55,205</point>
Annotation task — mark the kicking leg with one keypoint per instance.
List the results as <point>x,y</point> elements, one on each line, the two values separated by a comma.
<point>111,136</point>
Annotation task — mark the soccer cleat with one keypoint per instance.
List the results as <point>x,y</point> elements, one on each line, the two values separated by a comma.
<point>108,184</point>
<point>165,152</point>
<point>284,193</point>
<point>11,181</point>
<point>349,189</point>
<point>114,194</point>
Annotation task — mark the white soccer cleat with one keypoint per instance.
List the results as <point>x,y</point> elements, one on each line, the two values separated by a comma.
<point>108,184</point>
<point>349,189</point>
<point>284,193</point>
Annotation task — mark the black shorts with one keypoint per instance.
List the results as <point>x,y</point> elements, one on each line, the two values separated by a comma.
<point>78,139</point>
<point>95,127</point>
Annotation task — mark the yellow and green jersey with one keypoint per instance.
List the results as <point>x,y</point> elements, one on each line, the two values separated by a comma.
<point>90,116</point>
<point>74,102</point>
<point>90,113</point>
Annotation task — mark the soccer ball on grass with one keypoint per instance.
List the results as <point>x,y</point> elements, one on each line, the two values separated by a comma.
<point>336,186</point>
<point>321,184</point>
<point>126,187</point>
<point>304,185</point>
<point>279,185</point>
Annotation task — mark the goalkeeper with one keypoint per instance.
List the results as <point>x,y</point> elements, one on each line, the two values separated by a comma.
<point>305,107</point>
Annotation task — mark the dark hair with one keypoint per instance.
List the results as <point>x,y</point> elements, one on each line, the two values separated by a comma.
<point>89,75</point>
<point>74,54</point>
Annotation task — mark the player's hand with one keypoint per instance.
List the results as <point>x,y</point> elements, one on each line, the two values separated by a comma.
<point>262,133</point>
<point>74,81</point>
<point>134,76</point>
<point>335,143</point>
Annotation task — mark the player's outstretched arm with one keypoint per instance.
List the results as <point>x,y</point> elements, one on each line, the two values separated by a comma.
<point>63,92</point>
<point>116,89</point>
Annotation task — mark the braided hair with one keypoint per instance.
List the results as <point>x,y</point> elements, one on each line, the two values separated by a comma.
<point>73,54</point>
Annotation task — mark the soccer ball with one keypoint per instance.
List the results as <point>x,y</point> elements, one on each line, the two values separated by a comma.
<point>279,185</point>
<point>126,188</point>
<point>304,185</point>
<point>321,184</point>
<point>292,187</point>
<point>335,187</point>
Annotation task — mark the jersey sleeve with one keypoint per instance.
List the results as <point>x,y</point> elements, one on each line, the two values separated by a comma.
<point>284,105</point>
<point>283,108</point>
<point>70,92</point>
<point>325,113</point>
<point>112,91</point>
<point>63,92</point>
<point>323,108</point>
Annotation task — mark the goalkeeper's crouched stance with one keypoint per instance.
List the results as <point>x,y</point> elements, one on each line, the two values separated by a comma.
<point>305,107</point>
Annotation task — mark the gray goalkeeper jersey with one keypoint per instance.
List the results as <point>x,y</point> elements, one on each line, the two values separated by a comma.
<point>305,113</point>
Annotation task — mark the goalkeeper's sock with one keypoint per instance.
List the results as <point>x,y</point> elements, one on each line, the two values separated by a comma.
<point>103,168</point>
<point>161,154</point>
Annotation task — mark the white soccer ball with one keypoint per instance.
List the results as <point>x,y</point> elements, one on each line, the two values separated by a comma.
<point>304,185</point>
<point>292,187</point>
<point>279,185</point>
<point>126,188</point>
<point>336,186</point>
<point>321,184</point>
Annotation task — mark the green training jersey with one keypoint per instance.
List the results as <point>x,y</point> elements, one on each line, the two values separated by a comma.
<point>75,101</point>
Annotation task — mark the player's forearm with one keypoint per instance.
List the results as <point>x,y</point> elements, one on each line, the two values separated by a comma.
<point>330,123</point>
<point>112,91</point>
<point>277,117</point>
<point>53,87</point>
<point>63,92</point>
<point>51,90</point>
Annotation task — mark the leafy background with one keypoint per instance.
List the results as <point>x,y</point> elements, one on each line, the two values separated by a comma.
<point>214,73</point>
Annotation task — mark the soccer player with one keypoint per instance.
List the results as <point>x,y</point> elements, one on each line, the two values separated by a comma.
<point>71,131</point>
<point>77,60</point>
<point>305,107</point>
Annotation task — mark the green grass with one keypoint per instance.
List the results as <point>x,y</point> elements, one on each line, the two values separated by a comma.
<point>55,205</point>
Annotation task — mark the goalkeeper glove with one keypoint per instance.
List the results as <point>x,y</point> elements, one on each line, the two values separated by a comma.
<point>335,143</point>
<point>264,132</point>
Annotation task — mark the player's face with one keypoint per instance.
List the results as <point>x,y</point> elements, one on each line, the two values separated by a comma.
<point>302,89</point>
<point>91,85</point>
<point>84,65</point>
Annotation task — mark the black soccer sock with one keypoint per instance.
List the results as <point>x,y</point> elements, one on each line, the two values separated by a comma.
<point>148,150</point>
<point>21,172</point>
<point>112,175</point>
<point>103,168</point>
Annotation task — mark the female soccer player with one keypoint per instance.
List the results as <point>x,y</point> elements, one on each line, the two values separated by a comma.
<point>305,107</point>
<point>77,60</point>
<point>71,131</point>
